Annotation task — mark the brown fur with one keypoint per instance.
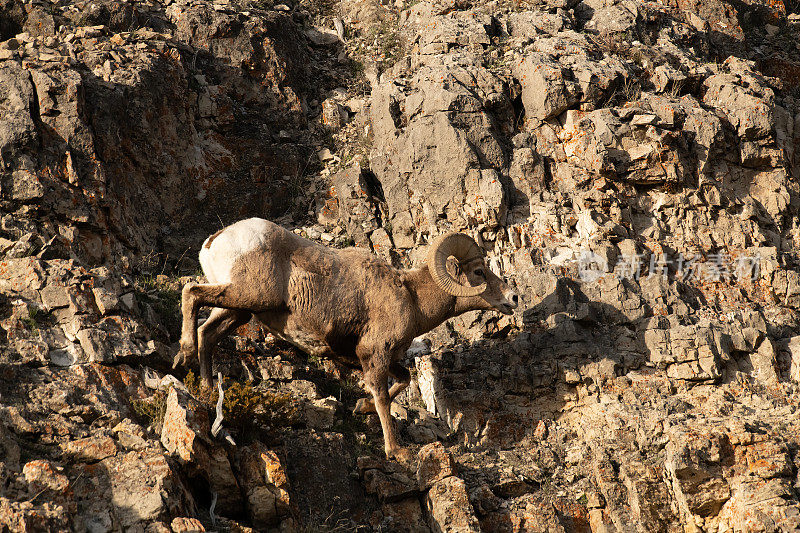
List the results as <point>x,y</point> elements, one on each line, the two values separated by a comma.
<point>208,242</point>
<point>346,304</point>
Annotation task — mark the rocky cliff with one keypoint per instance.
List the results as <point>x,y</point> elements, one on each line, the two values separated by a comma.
<point>632,166</point>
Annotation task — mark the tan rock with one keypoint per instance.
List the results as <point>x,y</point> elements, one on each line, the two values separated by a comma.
<point>749,109</point>
<point>26,186</point>
<point>322,36</point>
<point>186,435</point>
<point>764,459</point>
<point>435,463</point>
<point>600,521</point>
<point>54,296</point>
<point>321,413</point>
<point>449,509</point>
<point>266,485</point>
<point>404,516</point>
<point>187,525</point>
<point>44,475</point>
<point>764,363</point>
<point>91,449</point>
<point>389,486</point>
<point>24,517</point>
<point>793,347</point>
<point>334,115</point>
<point>105,300</point>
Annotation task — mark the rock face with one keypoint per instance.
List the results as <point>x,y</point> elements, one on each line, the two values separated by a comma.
<point>632,166</point>
<point>127,131</point>
<point>454,101</point>
<point>103,480</point>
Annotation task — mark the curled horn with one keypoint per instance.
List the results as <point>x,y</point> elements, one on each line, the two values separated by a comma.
<point>464,249</point>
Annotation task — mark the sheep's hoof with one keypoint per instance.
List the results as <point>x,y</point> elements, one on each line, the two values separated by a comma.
<point>402,455</point>
<point>181,357</point>
<point>179,360</point>
<point>364,406</point>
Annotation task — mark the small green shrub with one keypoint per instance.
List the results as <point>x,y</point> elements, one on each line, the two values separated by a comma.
<point>241,403</point>
<point>346,242</point>
<point>36,317</point>
<point>165,299</point>
<point>152,409</point>
<point>357,67</point>
<point>30,320</point>
<point>245,405</point>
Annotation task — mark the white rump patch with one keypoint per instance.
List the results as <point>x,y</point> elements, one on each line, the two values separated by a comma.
<point>237,239</point>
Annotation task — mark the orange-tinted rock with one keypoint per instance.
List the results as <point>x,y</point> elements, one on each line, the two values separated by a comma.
<point>435,463</point>
<point>187,525</point>
<point>448,506</point>
<point>265,484</point>
<point>537,517</point>
<point>91,449</point>
<point>49,483</point>
<point>26,517</point>
<point>186,435</point>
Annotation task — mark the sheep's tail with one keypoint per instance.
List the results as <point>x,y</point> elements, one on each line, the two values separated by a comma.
<point>207,244</point>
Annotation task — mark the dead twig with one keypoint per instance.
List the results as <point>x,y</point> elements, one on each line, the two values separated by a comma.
<point>216,429</point>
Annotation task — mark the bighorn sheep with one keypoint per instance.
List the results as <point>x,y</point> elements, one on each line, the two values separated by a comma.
<point>345,303</point>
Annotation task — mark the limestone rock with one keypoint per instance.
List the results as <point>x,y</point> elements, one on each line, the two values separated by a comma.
<point>661,392</point>
<point>321,413</point>
<point>16,99</point>
<point>352,200</point>
<point>265,483</point>
<point>462,105</point>
<point>435,463</point>
<point>186,434</point>
<point>449,508</point>
<point>793,347</point>
<point>322,36</point>
<point>91,449</point>
<point>743,96</point>
<point>404,516</point>
<point>386,481</point>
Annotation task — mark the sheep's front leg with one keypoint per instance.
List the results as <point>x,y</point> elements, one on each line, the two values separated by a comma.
<point>403,377</point>
<point>377,383</point>
<point>378,386</point>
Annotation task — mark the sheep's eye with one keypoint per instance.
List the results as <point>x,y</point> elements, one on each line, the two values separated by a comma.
<point>479,272</point>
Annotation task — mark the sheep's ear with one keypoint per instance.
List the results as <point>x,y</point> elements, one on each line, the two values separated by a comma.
<point>454,267</point>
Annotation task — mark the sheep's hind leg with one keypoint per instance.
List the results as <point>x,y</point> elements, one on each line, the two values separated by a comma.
<point>219,324</point>
<point>188,341</point>
<point>403,377</point>
<point>192,297</point>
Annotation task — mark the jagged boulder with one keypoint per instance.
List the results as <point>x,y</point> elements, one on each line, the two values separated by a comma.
<point>186,434</point>
<point>449,508</point>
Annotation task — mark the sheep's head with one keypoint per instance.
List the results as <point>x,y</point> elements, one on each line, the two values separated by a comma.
<point>457,265</point>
